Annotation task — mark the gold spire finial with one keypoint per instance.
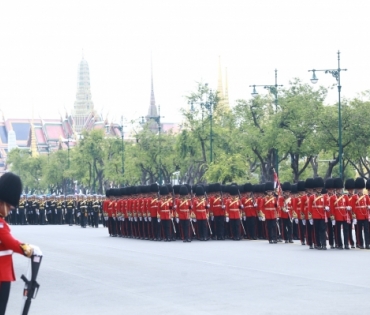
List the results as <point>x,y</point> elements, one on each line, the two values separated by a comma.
<point>226,98</point>
<point>34,152</point>
<point>220,89</point>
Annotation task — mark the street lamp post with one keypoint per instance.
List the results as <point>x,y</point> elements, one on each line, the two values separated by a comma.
<point>274,90</point>
<point>336,74</point>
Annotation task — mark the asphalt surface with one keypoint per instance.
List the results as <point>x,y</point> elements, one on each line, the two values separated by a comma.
<point>84,271</point>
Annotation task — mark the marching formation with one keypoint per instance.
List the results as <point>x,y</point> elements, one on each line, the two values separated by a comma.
<point>312,211</point>
<point>83,210</point>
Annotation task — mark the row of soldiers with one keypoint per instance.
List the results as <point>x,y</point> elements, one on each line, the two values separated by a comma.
<point>312,211</point>
<point>82,210</point>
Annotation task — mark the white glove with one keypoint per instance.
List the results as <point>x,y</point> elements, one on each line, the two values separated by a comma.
<point>145,219</point>
<point>223,207</point>
<point>55,211</point>
<point>208,205</point>
<point>304,222</point>
<point>150,219</point>
<point>194,220</point>
<point>277,219</point>
<point>349,208</point>
<point>241,207</point>
<point>212,218</point>
<point>244,218</point>
<point>174,207</point>
<point>255,205</point>
<point>123,218</point>
<point>227,219</point>
<point>354,221</point>
<point>311,221</point>
<point>368,207</point>
<point>135,219</point>
<point>140,218</point>
<point>296,221</point>
<point>78,214</point>
<point>177,220</point>
<point>327,208</point>
<point>159,220</point>
<point>333,222</point>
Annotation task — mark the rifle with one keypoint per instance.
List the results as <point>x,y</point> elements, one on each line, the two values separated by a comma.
<point>241,222</point>
<point>209,226</point>
<point>31,287</point>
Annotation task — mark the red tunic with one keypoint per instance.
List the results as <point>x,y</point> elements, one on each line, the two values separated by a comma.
<point>199,207</point>
<point>359,207</point>
<point>249,208</point>
<point>316,206</point>
<point>268,207</point>
<point>165,206</point>
<point>216,206</point>
<point>233,207</point>
<point>8,245</point>
<point>153,207</point>
<point>110,206</point>
<point>340,204</point>
<point>183,209</point>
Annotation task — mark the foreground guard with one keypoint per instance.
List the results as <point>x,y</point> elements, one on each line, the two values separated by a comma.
<point>10,191</point>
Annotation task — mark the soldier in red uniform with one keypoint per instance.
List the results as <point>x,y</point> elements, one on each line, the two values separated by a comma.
<point>294,211</point>
<point>330,191</point>
<point>10,191</point>
<point>269,210</point>
<point>165,205</point>
<point>183,210</point>
<point>233,207</point>
<point>350,187</point>
<point>215,204</point>
<point>360,206</point>
<point>200,210</point>
<point>341,208</point>
<point>286,205</point>
<point>301,191</point>
<point>153,208</point>
<point>309,184</point>
<point>318,206</point>
<point>250,210</point>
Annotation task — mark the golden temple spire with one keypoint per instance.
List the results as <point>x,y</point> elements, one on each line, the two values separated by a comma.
<point>220,88</point>
<point>226,98</point>
<point>34,151</point>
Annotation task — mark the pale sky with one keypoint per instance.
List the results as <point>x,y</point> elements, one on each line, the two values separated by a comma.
<point>41,46</point>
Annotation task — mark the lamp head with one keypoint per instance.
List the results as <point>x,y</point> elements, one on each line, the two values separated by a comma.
<point>254,92</point>
<point>314,78</point>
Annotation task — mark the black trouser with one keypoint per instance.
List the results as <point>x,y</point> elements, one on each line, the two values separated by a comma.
<point>69,216</point>
<point>202,229</point>
<point>235,228</point>
<point>271,228</point>
<point>42,216</point>
<point>320,229</point>
<point>14,217</point>
<point>331,233</point>
<point>156,231</point>
<point>310,231</point>
<point>302,231</point>
<point>185,224</point>
<point>338,230</point>
<point>30,217</point>
<point>295,230</point>
<point>359,238</point>
<point>96,218</point>
<point>59,217</point>
<point>83,218</point>
<point>166,229</point>
<point>4,296</point>
<point>227,232</point>
<point>287,229</point>
<point>251,227</point>
<point>261,231</point>
<point>22,216</point>
<point>220,227</point>
<point>350,235</point>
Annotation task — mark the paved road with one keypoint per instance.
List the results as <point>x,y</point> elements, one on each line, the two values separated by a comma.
<point>86,272</point>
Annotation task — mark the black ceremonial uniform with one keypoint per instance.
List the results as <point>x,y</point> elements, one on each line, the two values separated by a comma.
<point>96,210</point>
<point>42,210</point>
<point>22,211</point>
